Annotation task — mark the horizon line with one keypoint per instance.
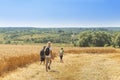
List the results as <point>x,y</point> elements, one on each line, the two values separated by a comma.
<point>58,27</point>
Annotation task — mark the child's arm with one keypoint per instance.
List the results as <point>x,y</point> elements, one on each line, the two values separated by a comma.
<point>51,54</point>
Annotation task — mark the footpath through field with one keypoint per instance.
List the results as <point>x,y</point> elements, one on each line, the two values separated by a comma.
<point>75,67</point>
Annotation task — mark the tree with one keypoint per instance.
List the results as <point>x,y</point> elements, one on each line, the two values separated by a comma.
<point>101,38</point>
<point>8,42</point>
<point>117,40</point>
<point>94,38</point>
<point>85,39</point>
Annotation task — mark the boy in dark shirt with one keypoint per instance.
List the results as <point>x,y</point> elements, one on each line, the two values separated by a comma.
<point>42,55</point>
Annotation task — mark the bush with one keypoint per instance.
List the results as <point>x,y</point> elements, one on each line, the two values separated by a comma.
<point>95,39</point>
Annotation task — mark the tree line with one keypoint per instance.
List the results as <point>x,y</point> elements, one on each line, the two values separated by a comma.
<point>97,39</point>
<point>82,37</point>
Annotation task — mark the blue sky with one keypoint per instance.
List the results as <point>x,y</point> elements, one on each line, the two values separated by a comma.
<point>59,13</point>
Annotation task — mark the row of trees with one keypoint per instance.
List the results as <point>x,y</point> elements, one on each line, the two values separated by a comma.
<point>83,37</point>
<point>43,37</point>
<point>97,39</point>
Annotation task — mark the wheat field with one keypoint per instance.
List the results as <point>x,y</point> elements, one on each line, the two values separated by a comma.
<point>13,56</point>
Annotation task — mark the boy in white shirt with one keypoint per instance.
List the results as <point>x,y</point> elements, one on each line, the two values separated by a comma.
<point>48,56</point>
<point>61,54</point>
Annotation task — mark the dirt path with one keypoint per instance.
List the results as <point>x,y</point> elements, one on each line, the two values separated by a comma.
<point>75,67</point>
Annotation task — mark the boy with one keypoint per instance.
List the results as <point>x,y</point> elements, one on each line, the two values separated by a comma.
<point>42,55</point>
<point>48,56</point>
<point>61,54</point>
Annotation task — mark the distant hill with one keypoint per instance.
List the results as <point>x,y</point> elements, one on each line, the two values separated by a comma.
<point>22,35</point>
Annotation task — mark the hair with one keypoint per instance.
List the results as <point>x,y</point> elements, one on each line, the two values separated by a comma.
<point>49,43</point>
<point>61,48</point>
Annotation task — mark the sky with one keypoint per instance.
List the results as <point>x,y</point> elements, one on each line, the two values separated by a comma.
<point>59,13</point>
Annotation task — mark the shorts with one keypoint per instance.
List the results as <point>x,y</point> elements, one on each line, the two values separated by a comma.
<point>61,56</point>
<point>42,59</point>
<point>47,58</point>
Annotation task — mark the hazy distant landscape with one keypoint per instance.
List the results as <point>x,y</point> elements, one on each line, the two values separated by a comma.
<point>84,37</point>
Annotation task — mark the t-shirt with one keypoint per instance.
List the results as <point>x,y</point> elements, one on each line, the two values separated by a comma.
<point>61,52</point>
<point>50,49</point>
<point>42,53</point>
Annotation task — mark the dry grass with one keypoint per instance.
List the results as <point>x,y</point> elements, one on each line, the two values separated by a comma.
<point>91,50</point>
<point>75,67</point>
<point>13,56</point>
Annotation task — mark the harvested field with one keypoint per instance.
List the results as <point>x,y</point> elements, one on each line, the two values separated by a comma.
<point>75,67</point>
<point>14,56</point>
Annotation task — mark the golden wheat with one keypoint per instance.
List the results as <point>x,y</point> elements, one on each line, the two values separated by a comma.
<point>13,56</point>
<point>91,50</point>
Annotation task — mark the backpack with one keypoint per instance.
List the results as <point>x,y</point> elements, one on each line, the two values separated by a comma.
<point>42,53</point>
<point>47,51</point>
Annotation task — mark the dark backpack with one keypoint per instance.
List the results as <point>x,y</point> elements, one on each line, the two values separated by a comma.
<point>47,51</point>
<point>42,53</point>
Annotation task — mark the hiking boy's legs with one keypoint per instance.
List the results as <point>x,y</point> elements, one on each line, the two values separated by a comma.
<point>42,60</point>
<point>47,63</point>
<point>47,67</point>
<point>61,58</point>
<point>50,61</point>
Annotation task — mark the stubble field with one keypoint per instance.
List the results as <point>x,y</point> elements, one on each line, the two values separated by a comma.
<point>79,63</point>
